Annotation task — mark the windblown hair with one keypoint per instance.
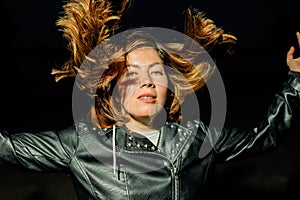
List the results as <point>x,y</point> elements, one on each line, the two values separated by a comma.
<point>87,23</point>
<point>210,37</point>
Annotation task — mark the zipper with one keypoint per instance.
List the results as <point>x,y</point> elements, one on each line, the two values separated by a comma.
<point>174,171</point>
<point>175,177</point>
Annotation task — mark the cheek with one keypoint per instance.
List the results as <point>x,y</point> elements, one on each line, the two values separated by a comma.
<point>126,94</point>
<point>162,91</point>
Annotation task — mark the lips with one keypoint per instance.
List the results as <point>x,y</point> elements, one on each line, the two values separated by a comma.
<point>147,98</point>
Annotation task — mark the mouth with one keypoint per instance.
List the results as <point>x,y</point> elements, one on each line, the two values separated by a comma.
<point>147,98</point>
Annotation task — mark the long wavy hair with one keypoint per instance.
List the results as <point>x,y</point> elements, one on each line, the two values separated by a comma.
<point>87,23</point>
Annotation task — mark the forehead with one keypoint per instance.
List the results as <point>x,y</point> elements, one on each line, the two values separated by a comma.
<point>143,56</point>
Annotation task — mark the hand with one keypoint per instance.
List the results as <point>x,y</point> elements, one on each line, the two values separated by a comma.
<point>293,63</point>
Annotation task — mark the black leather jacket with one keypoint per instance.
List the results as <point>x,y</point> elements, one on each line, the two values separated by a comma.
<point>113,164</point>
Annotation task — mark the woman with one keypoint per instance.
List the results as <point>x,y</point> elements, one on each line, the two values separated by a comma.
<point>135,142</point>
<point>135,158</point>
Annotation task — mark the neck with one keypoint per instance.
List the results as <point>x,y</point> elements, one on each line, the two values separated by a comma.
<point>146,123</point>
<point>138,125</point>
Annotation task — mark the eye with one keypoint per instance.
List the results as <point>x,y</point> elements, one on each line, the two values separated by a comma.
<point>159,73</point>
<point>130,74</point>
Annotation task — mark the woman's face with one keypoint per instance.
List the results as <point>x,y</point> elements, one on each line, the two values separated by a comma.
<point>143,87</point>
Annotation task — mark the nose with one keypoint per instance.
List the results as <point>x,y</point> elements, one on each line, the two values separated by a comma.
<point>147,85</point>
<point>147,81</point>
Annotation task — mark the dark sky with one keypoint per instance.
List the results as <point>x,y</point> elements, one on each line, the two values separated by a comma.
<point>256,23</point>
<point>31,100</point>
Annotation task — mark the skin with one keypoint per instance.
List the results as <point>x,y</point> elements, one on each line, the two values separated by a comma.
<point>143,88</point>
<point>293,63</point>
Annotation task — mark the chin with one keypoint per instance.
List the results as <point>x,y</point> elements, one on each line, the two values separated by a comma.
<point>151,111</point>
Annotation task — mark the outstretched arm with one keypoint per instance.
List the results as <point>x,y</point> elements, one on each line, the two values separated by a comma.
<point>236,143</point>
<point>41,151</point>
<point>293,63</point>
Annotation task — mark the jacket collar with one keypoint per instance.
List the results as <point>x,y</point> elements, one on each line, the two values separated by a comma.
<point>173,139</point>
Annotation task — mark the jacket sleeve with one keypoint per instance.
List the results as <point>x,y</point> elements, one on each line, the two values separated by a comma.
<point>235,143</point>
<point>42,151</point>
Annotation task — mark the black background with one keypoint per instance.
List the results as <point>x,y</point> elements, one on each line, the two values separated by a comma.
<point>31,100</point>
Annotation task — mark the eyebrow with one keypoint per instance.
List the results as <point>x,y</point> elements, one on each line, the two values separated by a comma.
<point>151,65</point>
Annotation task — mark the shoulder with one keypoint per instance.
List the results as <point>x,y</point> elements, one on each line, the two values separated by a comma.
<point>196,127</point>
